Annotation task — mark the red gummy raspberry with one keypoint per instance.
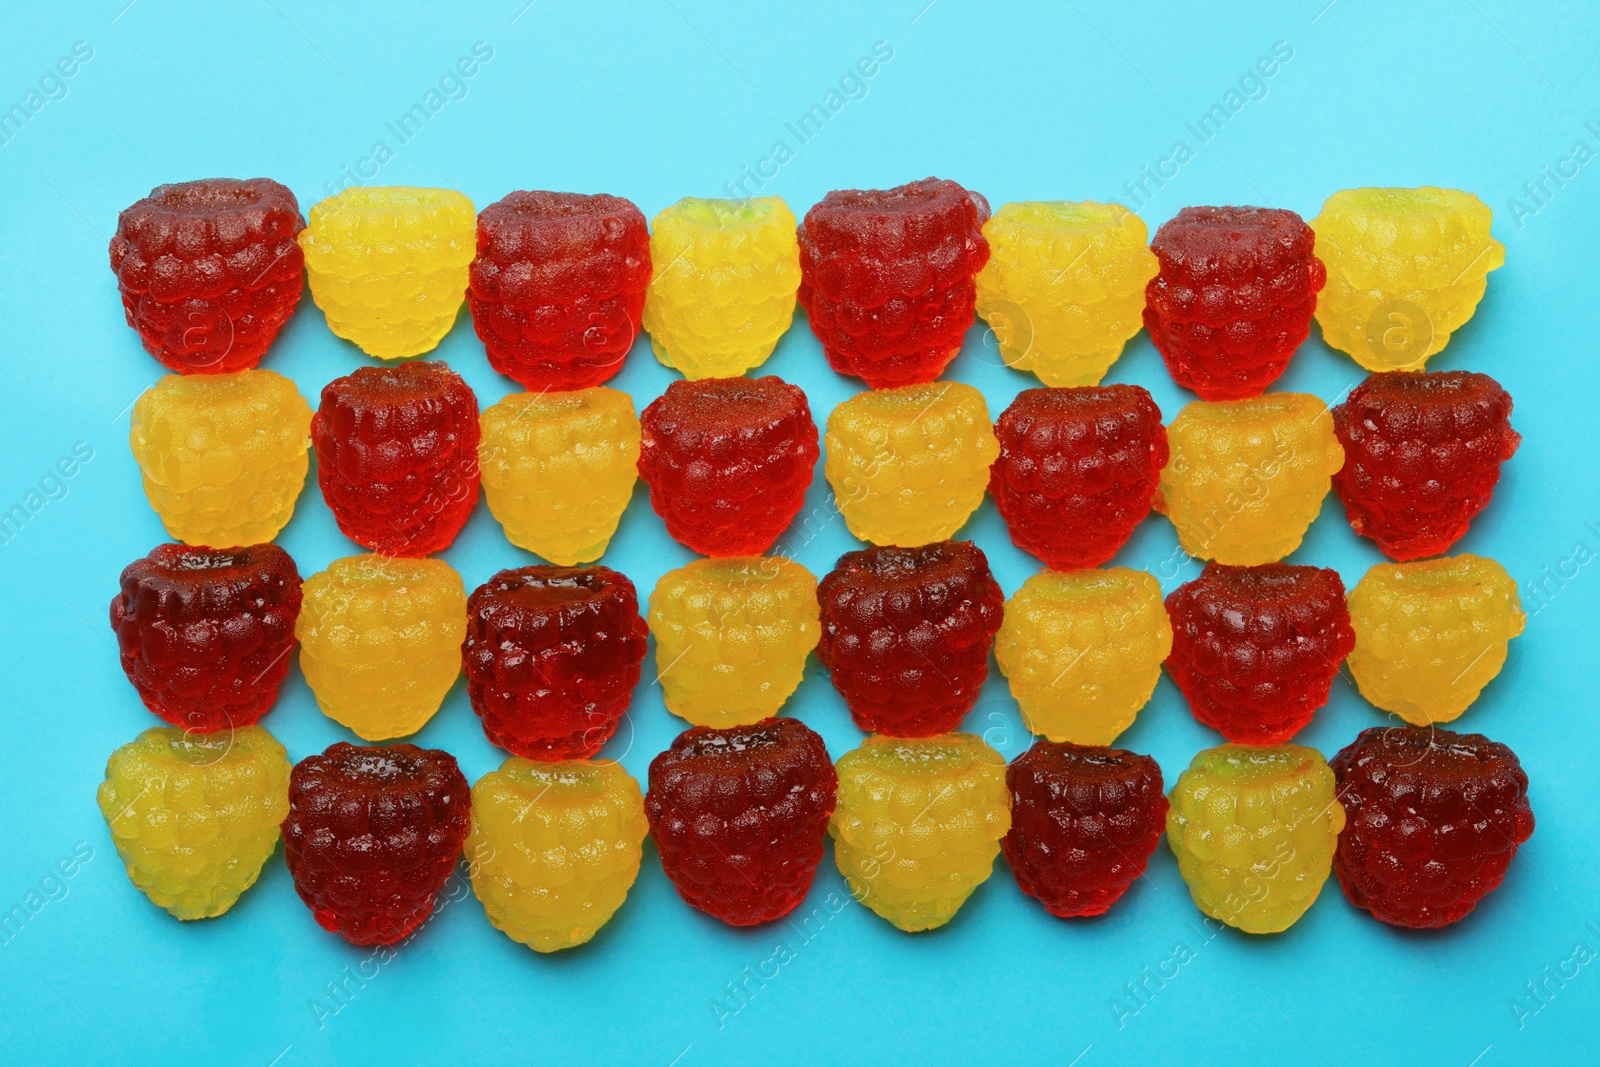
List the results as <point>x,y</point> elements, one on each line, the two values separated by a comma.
<point>1234,297</point>
<point>728,461</point>
<point>887,277</point>
<point>906,634</point>
<point>1422,454</point>
<point>209,271</point>
<point>1077,470</point>
<point>740,816</point>
<point>557,289</point>
<point>1432,820</point>
<point>372,835</point>
<point>397,456</point>
<point>552,655</point>
<point>1084,821</point>
<point>205,633</point>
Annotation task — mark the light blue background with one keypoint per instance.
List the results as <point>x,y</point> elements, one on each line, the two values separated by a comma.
<point>667,98</point>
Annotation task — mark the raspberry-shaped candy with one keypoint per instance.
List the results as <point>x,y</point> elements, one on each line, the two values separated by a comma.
<point>194,816</point>
<point>223,456</point>
<point>380,641</point>
<point>1234,297</point>
<point>1077,470</point>
<point>906,634</point>
<point>558,286</point>
<point>887,277</point>
<point>740,816</point>
<point>1082,651</point>
<point>732,637</point>
<point>1430,635</point>
<point>552,655</point>
<point>1435,818</point>
<point>909,466</point>
<point>1084,821</point>
<point>554,848</point>
<point>1247,477</point>
<point>1254,831</point>
<point>1255,649</point>
<point>1422,454</point>
<point>209,271</point>
<point>728,461</point>
<point>725,290</point>
<point>558,469</point>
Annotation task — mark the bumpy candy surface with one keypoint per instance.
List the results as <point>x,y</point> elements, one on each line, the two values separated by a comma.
<point>887,277</point>
<point>558,286</point>
<point>918,824</point>
<point>1064,286</point>
<point>194,816</point>
<point>554,848</point>
<point>1077,470</point>
<point>1255,649</point>
<point>1247,477</point>
<point>558,469</point>
<point>223,456</point>
<point>209,271</point>
<point>732,637</point>
<point>740,816</point>
<point>1422,454</point>
<point>388,265</point>
<point>1084,821</point>
<point>552,655</point>
<point>724,288</point>
<point>728,461</point>
<point>1082,651</point>
<point>1435,819</point>
<point>1430,635</point>
<point>380,641</point>
<point>1254,831</point>
<point>909,465</point>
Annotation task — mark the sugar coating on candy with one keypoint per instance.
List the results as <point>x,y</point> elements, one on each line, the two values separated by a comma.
<point>194,816</point>
<point>728,461</point>
<point>724,290</point>
<point>222,456</point>
<point>558,469</point>
<point>209,271</point>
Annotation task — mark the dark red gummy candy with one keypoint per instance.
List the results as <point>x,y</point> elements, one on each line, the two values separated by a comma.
<point>209,271</point>
<point>740,816</point>
<point>1234,297</point>
<point>1084,820</point>
<point>397,456</point>
<point>205,633</point>
<point>1422,454</point>
<point>372,835</point>
<point>557,289</point>
<point>906,634</point>
<point>728,461</point>
<point>1432,820</point>
<point>552,655</point>
<point>1077,470</point>
<point>887,277</point>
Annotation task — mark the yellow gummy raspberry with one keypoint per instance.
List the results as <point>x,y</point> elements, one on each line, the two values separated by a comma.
<point>726,273</point>
<point>1064,286</point>
<point>223,456</point>
<point>388,265</point>
<point>194,816</point>
<point>1406,269</point>
<point>558,469</point>
<point>1254,830</point>
<point>918,824</point>
<point>554,848</point>
<point>1247,477</point>
<point>909,465</point>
